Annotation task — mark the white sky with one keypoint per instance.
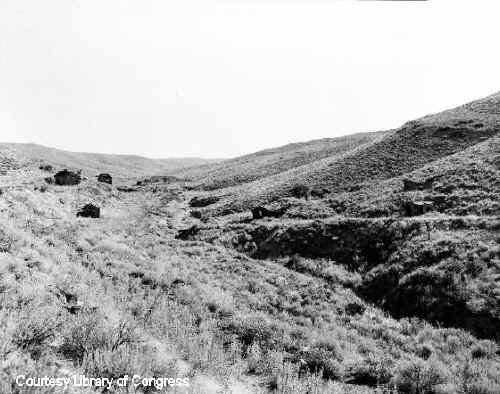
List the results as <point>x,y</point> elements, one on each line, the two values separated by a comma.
<point>219,78</point>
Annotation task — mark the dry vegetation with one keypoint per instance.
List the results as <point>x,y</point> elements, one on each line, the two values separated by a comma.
<point>270,162</point>
<point>343,294</point>
<point>121,166</point>
<point>119,295</point>
<point>384,156</point>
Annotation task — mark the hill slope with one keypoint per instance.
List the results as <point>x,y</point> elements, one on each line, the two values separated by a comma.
<point>17,155</point>
<point>412,146</point>
<point>122,295</point>
<point>269,162</point>
<point>460,184</point>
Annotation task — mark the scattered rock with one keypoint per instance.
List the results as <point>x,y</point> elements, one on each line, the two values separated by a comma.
<point>178,282</point>
<point>90,211</point>
<point>187,233</point>
<point>354,308</point>
<point>416,208</point>
<point>49,180</point>
<point>200,202</point>
<point>319,193</point>
<point>409,185</point>
<point>67,178</point>
<point>262,212</point>
<point>158,179</point>
<point>363,377</point>
<point>127,189</point>
<point>68,300</point>
<point>196,214</point>
<point>46,167</point>
<point>301,191</point>
<point>105,178</point>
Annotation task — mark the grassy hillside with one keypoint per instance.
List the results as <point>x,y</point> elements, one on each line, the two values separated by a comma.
<point>461,184</point>
<point>92,163</point>
<point>120,295</point>
<point>269,162</point>
<point>414,145</point>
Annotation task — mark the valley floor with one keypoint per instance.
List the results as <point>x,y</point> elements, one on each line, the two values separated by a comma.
<point>120,295</point>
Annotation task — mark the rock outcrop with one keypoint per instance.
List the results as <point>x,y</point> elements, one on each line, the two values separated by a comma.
<point>67,178</point>
<point>105,178</point>
<point>200,202</point>
<point>416,208</point>
<point>262,212</point>
<point>90,211</point>
<point>186,234</point>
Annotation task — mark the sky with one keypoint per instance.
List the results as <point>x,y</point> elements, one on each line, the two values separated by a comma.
<point>221,78</point>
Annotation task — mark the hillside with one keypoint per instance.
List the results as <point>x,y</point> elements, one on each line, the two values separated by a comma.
<point>266,163</point>
<point>121,166</point>
<point>410,147</point>
<point>121,294</point>
<point>467,182</point>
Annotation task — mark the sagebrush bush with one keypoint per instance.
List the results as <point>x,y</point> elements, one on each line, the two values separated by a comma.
<point>416,376</point>
<point>90,331</point>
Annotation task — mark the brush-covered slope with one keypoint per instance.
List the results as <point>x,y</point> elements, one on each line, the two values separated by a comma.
<point>465,183</point>
<point>412,146</point>
<point>269,162</point>
<point>121,295</point>
<point>19,155</point>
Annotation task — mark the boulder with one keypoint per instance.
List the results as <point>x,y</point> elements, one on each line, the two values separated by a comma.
<point>200,202</point>
<point>46,167</point>
<point>409,185</point>
<point>67,178</point>
<point>127,189</point>
<point>187,233</point>
<point>319,192</point>
<point>416,208</point>
<point>262,212</point>
<point>301,191</point>
<point>196,214</point>
<point>158,179</point>
<point>105,178</point>
<point>89,211</point>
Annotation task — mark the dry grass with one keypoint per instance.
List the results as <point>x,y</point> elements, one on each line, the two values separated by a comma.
<point>270,162</point>
<point>147,303</point>
<point>360,163</point>
<point>122,166</point>
<point>342,305</point>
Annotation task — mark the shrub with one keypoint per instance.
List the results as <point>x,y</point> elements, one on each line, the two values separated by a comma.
<point>482,386</point>
<point>319,362</point>
<point>252,330</point>
<point>36,329</point>
<point>90,332</point>
<point>300,191</point>
<point>425,350</point>
<point>417,376</point>
<point>6,242</point>
<point>371,372</point>
<point>128,360</point>
<point>483,349</point>
<point>354,308</point>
